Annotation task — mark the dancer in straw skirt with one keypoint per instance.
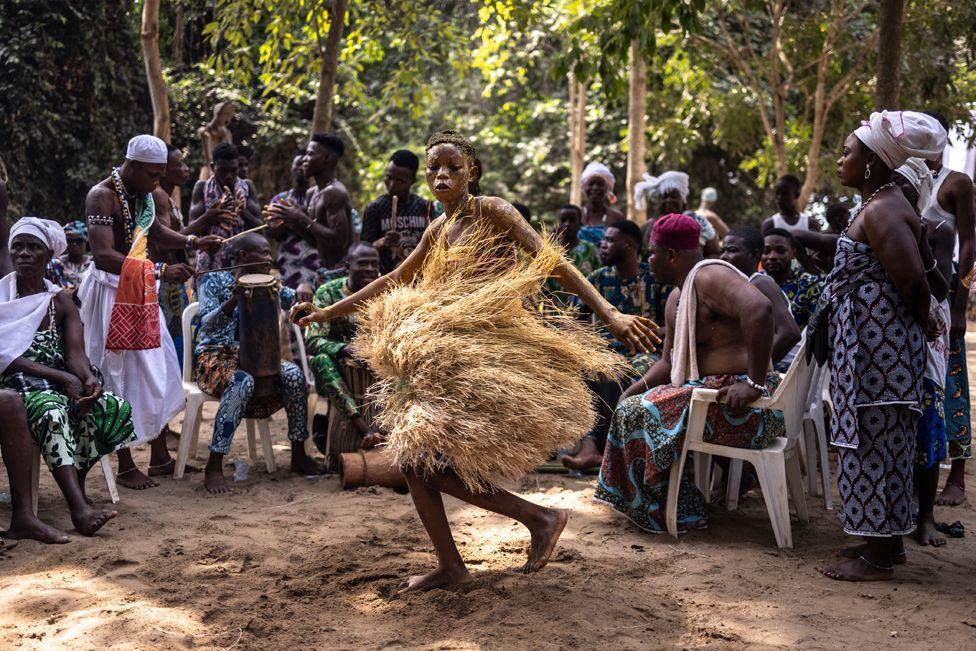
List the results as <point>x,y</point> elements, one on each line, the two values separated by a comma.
<point>474,386</point>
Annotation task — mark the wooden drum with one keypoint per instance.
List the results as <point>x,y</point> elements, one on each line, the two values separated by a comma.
<point>259,335</point>
<point>342,436</point>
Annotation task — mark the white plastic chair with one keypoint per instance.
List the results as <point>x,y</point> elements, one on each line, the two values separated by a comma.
<point>778,465</point>
<point>815,439</point>
<point>196,398</point>
<point>113,491</point>
<point>313,397</point>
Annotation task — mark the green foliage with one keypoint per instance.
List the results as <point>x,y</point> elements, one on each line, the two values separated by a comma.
<point>72,92</point>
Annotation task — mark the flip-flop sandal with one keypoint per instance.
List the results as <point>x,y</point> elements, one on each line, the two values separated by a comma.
<point>6,545</point>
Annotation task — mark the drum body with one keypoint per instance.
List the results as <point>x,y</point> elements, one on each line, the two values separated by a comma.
<point>259,334</point>
<point>342,436</point>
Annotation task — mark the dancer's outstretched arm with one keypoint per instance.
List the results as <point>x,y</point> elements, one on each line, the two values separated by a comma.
<point>636,332</point>
<point>305,313</point>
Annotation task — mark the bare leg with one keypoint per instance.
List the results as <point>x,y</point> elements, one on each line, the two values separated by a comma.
<point>450,566</point>
<point>301,463</point>
<point>18,455</point>
<point>87,520</point>
<point>954,492</point>
<point>875,563</point>
<point>587,457</point>
<point>129,474</point>
<point>927,484</point>
<point>545,525</point>
<point>213,475</point>
<point>160,463</point>
<point>898,555</point>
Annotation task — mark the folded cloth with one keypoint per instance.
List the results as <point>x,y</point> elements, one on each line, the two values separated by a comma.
<point>916,172</point>
<point>20,317</point>
<point>896,136</point>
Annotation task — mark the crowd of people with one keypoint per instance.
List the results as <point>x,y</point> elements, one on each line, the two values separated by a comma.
<point>92,322</point>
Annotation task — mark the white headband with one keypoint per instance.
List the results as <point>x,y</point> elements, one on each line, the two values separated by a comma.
<point>47,231</point>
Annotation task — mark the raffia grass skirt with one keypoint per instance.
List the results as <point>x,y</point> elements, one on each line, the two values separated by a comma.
<point>471,380</point>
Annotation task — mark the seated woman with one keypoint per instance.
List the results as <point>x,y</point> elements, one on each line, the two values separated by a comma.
<point>42,357</point>
<point>217,365</point>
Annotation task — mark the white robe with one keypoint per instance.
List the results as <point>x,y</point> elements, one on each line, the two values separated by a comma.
<point>20,317</point>
<point>150,380</point>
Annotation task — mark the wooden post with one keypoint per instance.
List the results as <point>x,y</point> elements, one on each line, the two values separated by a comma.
<point>154,69</point>
<point>329,67</point>
<point>636,126</point>
<point>890,16</point>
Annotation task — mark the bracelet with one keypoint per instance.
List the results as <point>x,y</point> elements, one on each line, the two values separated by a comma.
<point>159,270</point>
<point>190,240</point>
<point>935,263</point>
<point>101,220</point>
<point>967,280</point>
<point>758,387</point>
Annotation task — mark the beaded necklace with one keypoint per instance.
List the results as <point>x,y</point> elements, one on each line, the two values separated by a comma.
<point>130,225</point>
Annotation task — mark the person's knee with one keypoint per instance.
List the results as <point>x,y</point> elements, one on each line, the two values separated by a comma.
<point>245,383</point>
<point>11,406</point>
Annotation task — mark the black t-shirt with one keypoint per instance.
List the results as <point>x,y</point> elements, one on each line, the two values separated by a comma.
<point>412,219</point>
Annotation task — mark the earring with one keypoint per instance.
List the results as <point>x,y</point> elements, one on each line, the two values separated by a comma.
<point>867,173</point>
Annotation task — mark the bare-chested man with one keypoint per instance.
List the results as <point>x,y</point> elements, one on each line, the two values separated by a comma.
<point>734,329</point>
<point>952,202</point>
<point>121,219</point>
<point>329,215</point>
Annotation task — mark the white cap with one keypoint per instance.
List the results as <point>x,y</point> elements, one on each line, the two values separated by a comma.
<point>709,194</point>
<point>147,149</point>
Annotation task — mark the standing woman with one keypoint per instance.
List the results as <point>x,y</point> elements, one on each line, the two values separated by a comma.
<point>597,183</point>
<point>879,299</point>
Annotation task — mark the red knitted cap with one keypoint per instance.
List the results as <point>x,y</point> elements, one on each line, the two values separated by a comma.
<point>676,231</point>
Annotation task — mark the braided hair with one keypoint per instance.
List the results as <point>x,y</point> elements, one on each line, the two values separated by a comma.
<point>451,138</point>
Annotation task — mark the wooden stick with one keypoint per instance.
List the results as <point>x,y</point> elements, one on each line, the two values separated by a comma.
<point>236,266</point>
<point>250,230</point>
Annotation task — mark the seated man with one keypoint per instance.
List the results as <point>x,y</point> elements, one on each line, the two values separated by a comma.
<point>18,456</point>
<point>217,364</point>
<point>803,289</point>
<point>73,421</point>
<point>628,285</point>
<point>733,324</point>
<point>327,343</point>
<point>742,248</point>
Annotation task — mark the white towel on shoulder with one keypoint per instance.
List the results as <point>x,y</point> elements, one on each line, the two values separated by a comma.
<point>684,356</point>
<point>20,317</point>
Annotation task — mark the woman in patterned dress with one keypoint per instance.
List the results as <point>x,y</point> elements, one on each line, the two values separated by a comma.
<point>72,420</point>
<point>877,331</point>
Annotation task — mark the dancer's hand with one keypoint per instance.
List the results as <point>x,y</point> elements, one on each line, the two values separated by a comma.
<point>306,314</point>
<point>304,293</point>
<point>636,332</point>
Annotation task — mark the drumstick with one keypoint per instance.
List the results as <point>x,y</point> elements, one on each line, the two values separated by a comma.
<point>250,230</point>
<point>393,211</point>
<point>236,266</point>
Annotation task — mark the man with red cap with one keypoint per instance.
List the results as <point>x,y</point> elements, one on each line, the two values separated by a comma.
<point>718,335</point>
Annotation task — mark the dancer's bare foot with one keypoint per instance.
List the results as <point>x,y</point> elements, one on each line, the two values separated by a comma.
<point>927,534</point>
<point>952,495</point>
<point>544,539</point>
<point>856,569</point>
<point>88,520</point>
<point>898,557</point>
<point>135,479</point>
<point>30,528</point>
<point>440,578</point>
<point>587,457</point>
<point>215,482</point>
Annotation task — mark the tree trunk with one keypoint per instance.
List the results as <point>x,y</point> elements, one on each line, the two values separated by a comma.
<point>178,31</point>
<point>577,137</point>
<point>154,69</point>
<point>329,67</point>
<point>636,126</point>
<point>890,15</point>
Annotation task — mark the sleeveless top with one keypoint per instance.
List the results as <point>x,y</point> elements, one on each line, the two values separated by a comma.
<point>878,350</point>
<point>802,223</point>
<point>934,211</point>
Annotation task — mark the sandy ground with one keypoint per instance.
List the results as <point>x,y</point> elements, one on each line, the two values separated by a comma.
<point>292,562</point>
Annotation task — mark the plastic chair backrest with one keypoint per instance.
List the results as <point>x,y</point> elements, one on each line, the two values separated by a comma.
<point>188,315</point>
<point>791,397</point>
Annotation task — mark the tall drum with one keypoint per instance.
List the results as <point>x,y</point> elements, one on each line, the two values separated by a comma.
<point>259,335</point>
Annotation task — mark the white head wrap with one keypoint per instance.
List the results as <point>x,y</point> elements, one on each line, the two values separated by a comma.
<point>657,185</point>
<point>920,176</point>
<point>896,136</point>
<point>601,170</point>
<point>709,194</point>
<point>147,149</point>
<point>47,231</point>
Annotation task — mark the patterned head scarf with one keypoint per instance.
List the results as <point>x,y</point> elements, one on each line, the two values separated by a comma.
<point>76,227</point>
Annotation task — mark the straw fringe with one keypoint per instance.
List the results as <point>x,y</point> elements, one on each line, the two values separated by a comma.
<point>469,378</point>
